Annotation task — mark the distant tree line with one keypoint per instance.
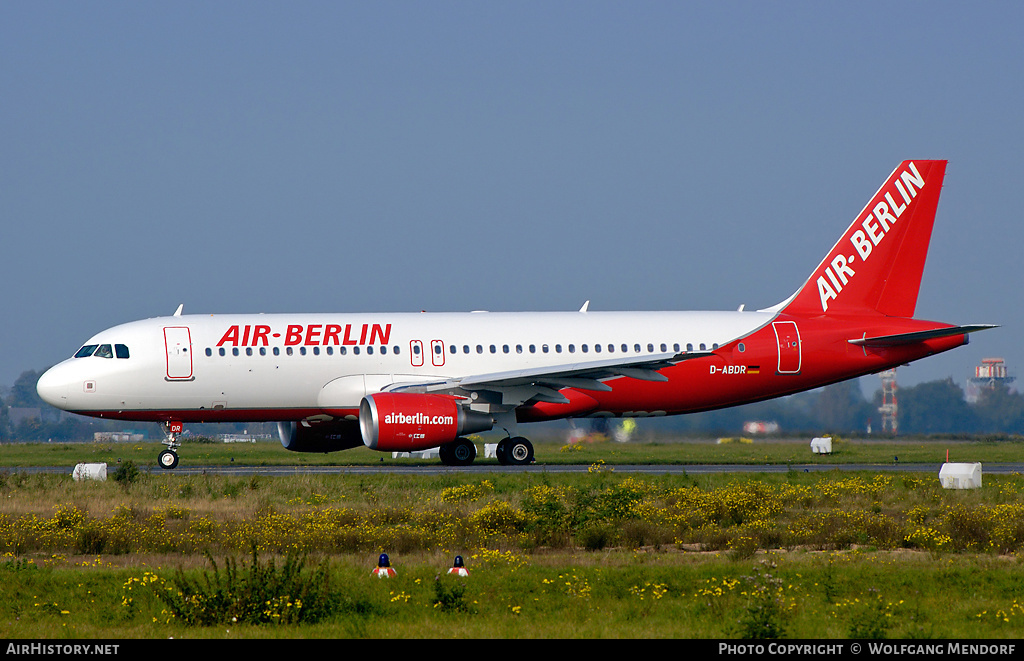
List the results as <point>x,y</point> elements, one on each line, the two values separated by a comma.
<point>52,424</point>
<point>933,407</point>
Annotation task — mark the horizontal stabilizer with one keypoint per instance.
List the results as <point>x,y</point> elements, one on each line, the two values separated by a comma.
<point>918,336</point>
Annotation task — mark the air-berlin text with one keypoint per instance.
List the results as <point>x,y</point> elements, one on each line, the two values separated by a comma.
<point>884,211</point>
<point>307,335</point>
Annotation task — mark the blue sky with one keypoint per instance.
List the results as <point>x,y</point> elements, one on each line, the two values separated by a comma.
<point>396,156</point>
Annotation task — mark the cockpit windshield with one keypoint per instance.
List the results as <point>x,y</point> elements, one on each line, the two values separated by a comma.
<point>103,351</point>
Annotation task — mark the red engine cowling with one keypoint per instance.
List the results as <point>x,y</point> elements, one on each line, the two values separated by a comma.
<point>406,422</point>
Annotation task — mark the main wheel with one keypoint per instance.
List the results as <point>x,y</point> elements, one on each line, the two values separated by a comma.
<point>167,459</point>
<point>515,451</point>
<point>460,452</point>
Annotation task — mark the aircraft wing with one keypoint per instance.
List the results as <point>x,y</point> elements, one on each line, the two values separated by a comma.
<point>543,383</point>
<point>918,336</point>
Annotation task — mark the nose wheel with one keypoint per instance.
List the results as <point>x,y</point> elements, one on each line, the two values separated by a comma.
<point>168,458</point>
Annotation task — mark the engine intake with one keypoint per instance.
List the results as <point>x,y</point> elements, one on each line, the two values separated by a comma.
<point>407,422</point>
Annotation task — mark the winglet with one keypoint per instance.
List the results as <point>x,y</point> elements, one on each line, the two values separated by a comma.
<point>585,306</point>
<point>177,313</point>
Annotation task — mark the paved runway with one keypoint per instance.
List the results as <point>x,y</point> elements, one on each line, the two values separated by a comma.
<point>652,469</point>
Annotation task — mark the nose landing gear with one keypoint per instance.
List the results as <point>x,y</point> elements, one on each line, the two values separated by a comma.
<point>168,458</point>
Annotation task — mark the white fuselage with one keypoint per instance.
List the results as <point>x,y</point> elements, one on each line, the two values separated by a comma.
<point>286,367</point>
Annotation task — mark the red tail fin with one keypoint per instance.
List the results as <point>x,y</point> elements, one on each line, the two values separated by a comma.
<point>877,265</point>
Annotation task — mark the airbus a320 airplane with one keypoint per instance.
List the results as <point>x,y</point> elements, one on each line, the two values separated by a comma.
<point>407,382</point>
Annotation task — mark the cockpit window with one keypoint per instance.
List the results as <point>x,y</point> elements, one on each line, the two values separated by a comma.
<point>121,350</point>
<point>86,351</point>
<point>103,351</point>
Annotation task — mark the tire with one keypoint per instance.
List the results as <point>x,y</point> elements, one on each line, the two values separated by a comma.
<point>515,451</point>
<point>460,452</point>
<point>167,459</point>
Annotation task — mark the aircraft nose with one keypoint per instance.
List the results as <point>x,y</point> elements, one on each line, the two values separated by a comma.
<point>53,387</point>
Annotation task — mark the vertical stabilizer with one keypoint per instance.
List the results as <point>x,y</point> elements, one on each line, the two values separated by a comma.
<point>876,266</point>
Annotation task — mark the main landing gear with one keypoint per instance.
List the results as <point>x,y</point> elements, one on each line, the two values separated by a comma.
<point>514,451</point>
<point>460,452</point>
<point>168,458</point>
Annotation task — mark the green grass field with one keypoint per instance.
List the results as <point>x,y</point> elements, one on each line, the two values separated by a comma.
<point>595,554</point>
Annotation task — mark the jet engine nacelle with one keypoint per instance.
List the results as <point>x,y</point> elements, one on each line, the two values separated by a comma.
<point>407,422</point>
<point>319,436</point>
